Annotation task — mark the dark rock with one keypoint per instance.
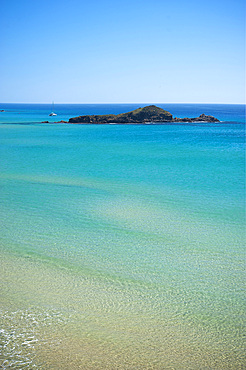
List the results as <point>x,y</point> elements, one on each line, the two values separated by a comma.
<point>201,118</point>
<point>205,118</point>
<point>140,115</point>
<point>45,122</point>
<point>147,114</point>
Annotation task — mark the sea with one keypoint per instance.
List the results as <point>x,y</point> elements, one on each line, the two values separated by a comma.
<point>122,246</point>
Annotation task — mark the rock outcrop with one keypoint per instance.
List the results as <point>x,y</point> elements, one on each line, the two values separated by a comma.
<point>140,115</point>
<point>201,118</point>
<point>149,114</point>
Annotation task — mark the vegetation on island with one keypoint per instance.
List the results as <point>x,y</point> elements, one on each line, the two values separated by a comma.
<point>140,115</point>
<point>148,114</point>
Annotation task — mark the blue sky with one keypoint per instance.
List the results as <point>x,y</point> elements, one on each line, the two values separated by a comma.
<point>128,51</point>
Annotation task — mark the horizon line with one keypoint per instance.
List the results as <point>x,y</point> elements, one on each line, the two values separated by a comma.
<point>124,103</point>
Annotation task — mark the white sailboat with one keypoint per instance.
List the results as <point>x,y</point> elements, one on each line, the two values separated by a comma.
<point>52,113</point>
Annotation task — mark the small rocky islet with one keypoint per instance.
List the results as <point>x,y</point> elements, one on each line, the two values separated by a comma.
<point>148,114</point>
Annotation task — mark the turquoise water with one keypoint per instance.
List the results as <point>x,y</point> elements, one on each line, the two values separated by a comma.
<point>122,246</point>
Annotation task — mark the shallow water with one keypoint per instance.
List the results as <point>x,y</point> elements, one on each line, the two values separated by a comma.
<point>122,247</point>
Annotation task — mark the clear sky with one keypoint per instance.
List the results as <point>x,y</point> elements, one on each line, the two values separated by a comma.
<point>122,51</point>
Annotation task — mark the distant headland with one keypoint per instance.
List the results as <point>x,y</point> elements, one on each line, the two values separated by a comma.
<point>149,114</point>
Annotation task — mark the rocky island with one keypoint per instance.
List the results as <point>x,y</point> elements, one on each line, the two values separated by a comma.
<point>149,114</point>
